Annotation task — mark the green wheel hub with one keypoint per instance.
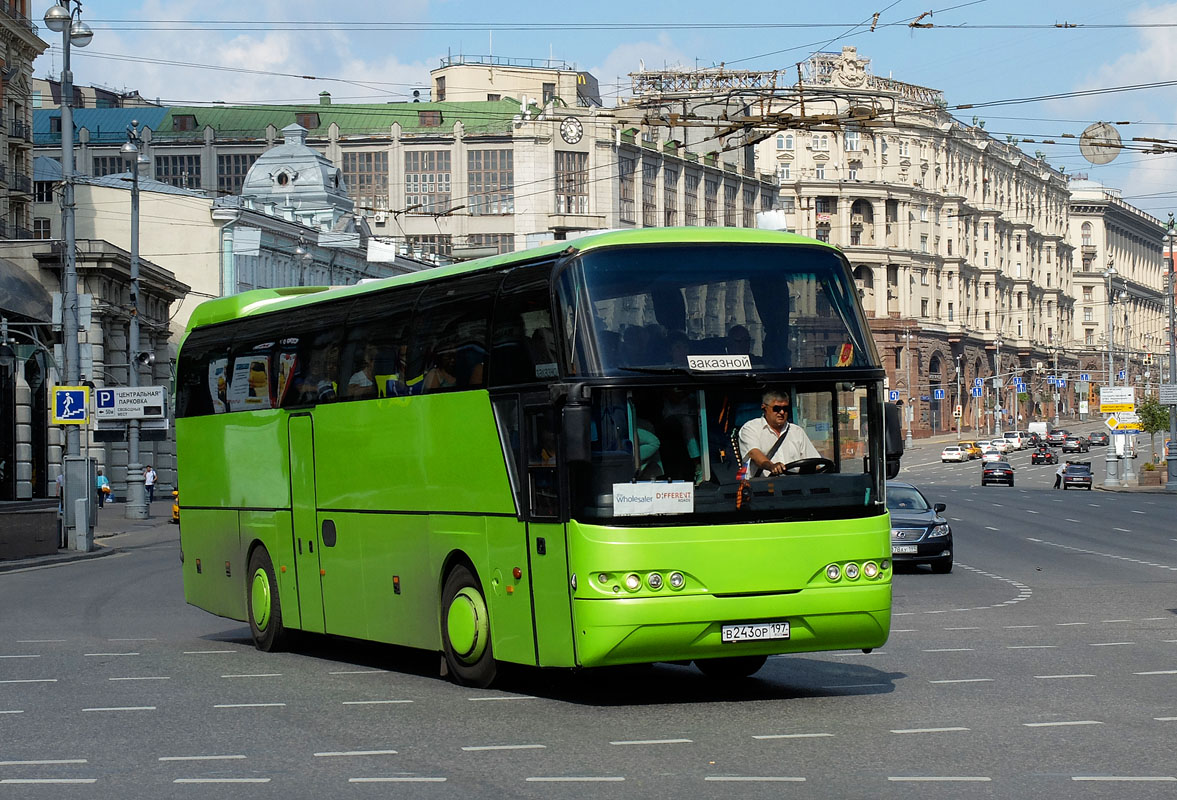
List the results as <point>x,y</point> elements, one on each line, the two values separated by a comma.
<point>260,599</point>
<point>466,625</point>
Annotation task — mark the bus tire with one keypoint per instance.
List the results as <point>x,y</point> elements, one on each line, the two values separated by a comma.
<point>265,608</point>
<point>728,668</point>
<point>465,630</point>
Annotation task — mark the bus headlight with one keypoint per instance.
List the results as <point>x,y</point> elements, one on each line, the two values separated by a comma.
<point>852,571</point>
<point>654,580</point>
<point>676,580</point>
<point>833,572</point>
<point>870,569</point>
<point>633,581</point>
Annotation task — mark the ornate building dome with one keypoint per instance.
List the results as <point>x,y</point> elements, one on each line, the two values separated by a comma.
<point>296,179</point>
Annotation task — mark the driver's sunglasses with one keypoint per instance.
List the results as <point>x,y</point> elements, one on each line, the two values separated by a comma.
<point>780,409</point>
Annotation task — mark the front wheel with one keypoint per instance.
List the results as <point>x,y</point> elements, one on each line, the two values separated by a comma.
<point>728,668</point>
<point>465,630</point>
<point>265,608</point>
<point>943,566</point>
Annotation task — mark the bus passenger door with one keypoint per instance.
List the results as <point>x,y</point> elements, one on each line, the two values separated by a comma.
<point>303,506</point>
<point>546,537</point>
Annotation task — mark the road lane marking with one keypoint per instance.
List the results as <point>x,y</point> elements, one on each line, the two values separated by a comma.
<point>516,697</point>
<point>940,778</point>
<point>221,780</point>
<point>122,708</point>
<point>991,528</point>
<point>1060,677</point>
<point>651,741</point>
<point>482,747</point>
<point>951,650</point>
<point>106,655</point>
<point>1122,530</point>
<point>928,730</point>
<point>249,705</point>
<point>256,675</point>
<point>1014,627</point>
<point>396,780</point>
<point>965,680</point>
<point>1110,621</point>
<point>1134,511</point>
<point>753,779</point>
<point>22,656</point>
<point>346,753</point>
<point>1167,778</point>
<point>963,629</point>
<point>1165,719</point>
<point>144,678</point>
<point>1108,644</point>
<point>857,686</point>
<point>43,762</point>
<point>201,758</point>
<point>38,641</point>
<point>206,652</point>
<point>1028,511</point>
<point>1158,672</point>
<point>14,711</point>
<point>373,702</point>
<point>1061,724</point>
<point>792,735</point>
<point>47,780</point>
<point>1065,624</point>
<point>576,779</point>
<point>1031,646</point>
<point>904,630</point>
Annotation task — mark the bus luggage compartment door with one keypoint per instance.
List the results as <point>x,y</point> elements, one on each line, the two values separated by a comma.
<point>305,524</point>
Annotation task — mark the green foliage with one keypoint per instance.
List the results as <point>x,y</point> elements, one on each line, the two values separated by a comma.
<point>1154,417</point>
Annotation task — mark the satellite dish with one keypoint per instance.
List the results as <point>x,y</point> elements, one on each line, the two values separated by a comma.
<point>1100,143</point>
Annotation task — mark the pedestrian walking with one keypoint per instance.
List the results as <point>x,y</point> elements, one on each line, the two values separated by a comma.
<point>101,487</point>
<point>149,478</point>
<point>1058,475</point>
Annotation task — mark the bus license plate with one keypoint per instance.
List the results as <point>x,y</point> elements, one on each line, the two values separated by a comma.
<point>756,632</point>
<point>905,548</point>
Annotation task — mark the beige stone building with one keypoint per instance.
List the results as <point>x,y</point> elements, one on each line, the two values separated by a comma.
<point>1112,233</point>
<point>472,78</point>
<point>19,45</point>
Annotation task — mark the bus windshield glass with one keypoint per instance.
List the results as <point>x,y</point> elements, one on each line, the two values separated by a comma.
<point>704,308</point>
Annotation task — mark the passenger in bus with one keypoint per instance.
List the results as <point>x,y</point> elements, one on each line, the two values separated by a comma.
<point>441,374</point>
<point>739,341</point>
<point>316,384</point>
<point>773,434</point>
<point>362,384</point>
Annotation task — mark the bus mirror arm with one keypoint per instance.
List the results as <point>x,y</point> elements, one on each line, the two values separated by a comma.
<point>893,438</point>
<point>576,420</point>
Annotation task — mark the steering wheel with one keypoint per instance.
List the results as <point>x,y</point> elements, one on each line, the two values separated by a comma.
<point>809,466</point>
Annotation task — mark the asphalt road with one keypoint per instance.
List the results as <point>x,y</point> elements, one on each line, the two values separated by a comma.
<point>1045,664</point>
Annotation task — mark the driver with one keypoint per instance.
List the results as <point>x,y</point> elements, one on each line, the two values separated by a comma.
<point>770,442</point>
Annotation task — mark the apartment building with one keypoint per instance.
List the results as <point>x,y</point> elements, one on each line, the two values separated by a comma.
<point>19,45</point>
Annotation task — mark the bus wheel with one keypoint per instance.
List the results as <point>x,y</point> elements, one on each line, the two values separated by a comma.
<point>265,609</point>
<point>735,667</point>
<point>465,628</point>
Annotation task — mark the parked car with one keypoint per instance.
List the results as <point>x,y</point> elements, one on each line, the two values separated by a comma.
<point>953,453</point>
<point>1077,475</point>
<point>991,455</point>
<point>997,472</point>
<point>1075,444</point>
<point>971,448</point>
<point>1004,445</point>
<point>1043,455</point>
<point>1056,437</point>
<point>919,535</point>
<point>1099,438</point>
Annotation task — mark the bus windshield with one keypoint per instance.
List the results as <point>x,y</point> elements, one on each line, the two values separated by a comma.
<point>679,455</point>
<point>703,308</point>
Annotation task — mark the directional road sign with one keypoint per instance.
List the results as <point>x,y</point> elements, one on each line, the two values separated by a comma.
<point>975,391</point>
<point>978,382</point>
<point>71,405</point>
<point>126,402</point>
<point>1116,398</point>
<point>1084,376</point>
<point>1122,374</point>
<point>937,394</point>
<point>894,395</point>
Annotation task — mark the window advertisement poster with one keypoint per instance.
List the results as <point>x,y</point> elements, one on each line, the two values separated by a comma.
<point>250,384</point>
<point>286,364</point>
<point>646,499</point>
<point>218,385</point>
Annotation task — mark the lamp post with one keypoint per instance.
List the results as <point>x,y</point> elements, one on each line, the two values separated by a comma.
<point>136,492</point>
<point>910,410</point>
<point>999,382</point>
<point>1111,477</point>
<point>959,400</point>
<point>1171,458</point>
<point>1128,473</point>
<point>66,18</point>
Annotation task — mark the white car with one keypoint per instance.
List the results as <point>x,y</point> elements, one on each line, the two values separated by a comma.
<point>1004,445</point>
<point>954,453</point>
<point>992,454</point>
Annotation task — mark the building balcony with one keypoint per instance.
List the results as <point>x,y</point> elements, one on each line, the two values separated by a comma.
<point>10,230</point>
<point>19,183</point>
<point>575,222</point>
<point>10,10</point>
<point>19,129</point>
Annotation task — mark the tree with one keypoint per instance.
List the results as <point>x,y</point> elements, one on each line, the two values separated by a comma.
<point>1154,418</point>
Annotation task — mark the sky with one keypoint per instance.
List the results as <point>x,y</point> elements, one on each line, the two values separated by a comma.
<point>256,52</point>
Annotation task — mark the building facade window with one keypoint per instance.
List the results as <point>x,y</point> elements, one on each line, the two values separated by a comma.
<point>649,193</point>
<point>180,171</point>
<point>503,242</point>
<point>691,198</point>
<point>950,312</point>
<point>108,165</point>
<point>307,119</point>
<point>821,142</point>
<point>670,196</point>
<point>819,171</point>
<point>490,175</point>
<point>42,228</point>
<point>749,207</point>
<point>923,308</point>
<point>427,181</point>
<point>1088,315</point>
<point>231,171</point>
<point>571,183</point>
<point>43,192</point>
<point>784,172</point>
<point>366,176</point>
<point>710,201</point>
<point>730,195</point>
<point>851,141</point>
<point>924,244</point>
<point>986,320</point>
<point>1087,294</point>
<point>627,196</point>
<point>437,244</point>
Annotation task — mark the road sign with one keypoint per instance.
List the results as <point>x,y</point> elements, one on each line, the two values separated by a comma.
<point>975,391</point>
<point>1168,394</point>
<point>1116,398</point>
<point>937,394</point>
<point>1052,380</point>
<point>1129,421</point>
<point>1111,422</point>
<point>1061,382</point>
<point>1084,376</point>
<point>127,402</point>
<point>71,405</point>
<point>1122,374</point>
<point>893,395</point>
<point>978,382</point>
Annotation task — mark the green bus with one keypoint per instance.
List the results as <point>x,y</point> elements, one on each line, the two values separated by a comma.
<point>536,458</point>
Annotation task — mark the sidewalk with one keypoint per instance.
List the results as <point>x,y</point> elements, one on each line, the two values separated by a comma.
<point>112,531</point>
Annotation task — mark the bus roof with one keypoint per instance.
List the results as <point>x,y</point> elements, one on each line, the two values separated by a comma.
<point>258,301</point>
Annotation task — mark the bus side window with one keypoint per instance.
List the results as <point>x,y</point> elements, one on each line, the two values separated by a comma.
<point>378,333</point>
<point>523,346</point>
<point>542,482</point>
<point>451,328</point>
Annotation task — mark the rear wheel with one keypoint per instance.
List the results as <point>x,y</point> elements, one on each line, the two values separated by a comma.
<point>265,608</point>
<point>728,668</point>
<point>465,629</point>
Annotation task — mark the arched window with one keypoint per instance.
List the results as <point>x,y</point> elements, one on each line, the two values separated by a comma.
<point>1086,229</point>
<point>788,141</point>
<point>780,141</point>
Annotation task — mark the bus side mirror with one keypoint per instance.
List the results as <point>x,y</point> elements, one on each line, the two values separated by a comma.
<point>576,419</point>
<point>893,438</point>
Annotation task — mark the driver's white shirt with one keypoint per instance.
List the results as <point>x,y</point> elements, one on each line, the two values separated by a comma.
<point>758,434</point>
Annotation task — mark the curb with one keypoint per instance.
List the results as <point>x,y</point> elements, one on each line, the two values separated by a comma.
<point>58,558</point>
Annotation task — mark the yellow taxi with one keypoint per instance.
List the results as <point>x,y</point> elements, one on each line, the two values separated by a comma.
<point>175,506</point>
<point>972,448</point>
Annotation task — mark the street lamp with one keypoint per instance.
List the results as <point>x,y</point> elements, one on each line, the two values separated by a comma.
<point>959,399</point>
<point>65,18</point>
<point>910,410</point>
<point>1171,458</point>
<point>999,383</point>
<point>132,150</point>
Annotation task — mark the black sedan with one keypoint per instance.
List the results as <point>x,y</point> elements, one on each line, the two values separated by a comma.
<point>1043,455</point>
<point>1099,438</point>
<point>1056,437</point>
<point>1077,475</point>
<point>997,472</point>
<point>1075,444</point>
<point>919,535</point>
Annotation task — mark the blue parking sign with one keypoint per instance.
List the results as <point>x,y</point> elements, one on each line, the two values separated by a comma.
<point>894,395</point>
<point>71,405</point>
<point>103,398</point>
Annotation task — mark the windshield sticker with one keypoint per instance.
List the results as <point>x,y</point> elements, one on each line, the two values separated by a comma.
<point>644,499</point>
<point>845,355</point>
<point>718,363</point>
<point>548,370</point>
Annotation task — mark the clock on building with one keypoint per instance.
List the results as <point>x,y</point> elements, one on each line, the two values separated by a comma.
<point>571,130</point>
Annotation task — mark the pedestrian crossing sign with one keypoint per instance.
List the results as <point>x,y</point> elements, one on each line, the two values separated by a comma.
<point>71,405</point>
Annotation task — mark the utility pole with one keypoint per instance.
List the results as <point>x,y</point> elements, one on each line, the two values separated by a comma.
<point>998,383</point>
<point>910,410</point>
<point>1129,473</point>
<point>1171,458</point>
<point>1111,466</point>
<point>136,492</point>
<point>959,401</point>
